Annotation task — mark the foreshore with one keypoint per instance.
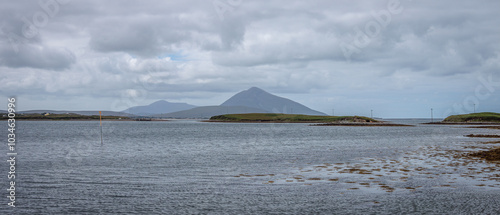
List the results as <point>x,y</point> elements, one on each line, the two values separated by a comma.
<point>461,123</point>
<point>491,154</point>
<point>361,124</point>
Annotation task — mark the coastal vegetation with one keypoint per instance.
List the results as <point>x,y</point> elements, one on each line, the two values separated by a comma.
<point>484,117</point>
<point>288,118</point>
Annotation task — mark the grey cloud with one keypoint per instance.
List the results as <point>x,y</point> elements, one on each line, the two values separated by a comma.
<point>132,39</point>
<point>36,56</point>
<point>147,38</point>
<point>283,46</point>
<point>149,30</point>
<point>22,43</point>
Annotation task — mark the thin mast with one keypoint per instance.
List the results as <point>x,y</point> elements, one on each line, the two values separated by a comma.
<point>100,121</point>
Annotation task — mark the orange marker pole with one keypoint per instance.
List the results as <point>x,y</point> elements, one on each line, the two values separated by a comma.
<point>100,121</point>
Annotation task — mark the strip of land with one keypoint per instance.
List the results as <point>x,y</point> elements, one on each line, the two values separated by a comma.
<point>362,124</point>
<point>69,116</point>
<point>287,118</point>
<point>298,118</point>
<point>484,118</point>
<point>488,127</point>
<point>463,123</point>
<point>483,135</point>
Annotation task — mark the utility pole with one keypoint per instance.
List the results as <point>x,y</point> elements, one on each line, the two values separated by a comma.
<point>333,112</point>
<point>474,107</point>
<point>432,115</point>
<point>371,114</point>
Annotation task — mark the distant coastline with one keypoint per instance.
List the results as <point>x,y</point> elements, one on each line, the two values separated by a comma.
<point>382,124</point>
<point>484,118</point>
<point>286,118</point>
<point>298,118</point>
<point>66,117</point>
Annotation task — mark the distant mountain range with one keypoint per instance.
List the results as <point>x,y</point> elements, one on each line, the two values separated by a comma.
<point>209,111</point>
<point>159,107</point>
<point>253,100</point>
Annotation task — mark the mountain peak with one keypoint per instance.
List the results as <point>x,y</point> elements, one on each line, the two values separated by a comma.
<point>255,89</point>
<point>257,98</point>
<point>160,102</point>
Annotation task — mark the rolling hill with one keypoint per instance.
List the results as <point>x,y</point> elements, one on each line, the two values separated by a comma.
<point>159,107</point>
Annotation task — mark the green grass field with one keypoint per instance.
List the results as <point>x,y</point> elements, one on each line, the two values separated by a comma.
<point>277,117</point>
<point>474,117</point>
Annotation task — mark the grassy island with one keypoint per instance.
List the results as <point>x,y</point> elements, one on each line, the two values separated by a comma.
<point>288,118</point>
<point>484,117</point>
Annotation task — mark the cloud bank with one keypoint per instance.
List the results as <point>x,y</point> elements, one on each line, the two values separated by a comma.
<point>399,58</point>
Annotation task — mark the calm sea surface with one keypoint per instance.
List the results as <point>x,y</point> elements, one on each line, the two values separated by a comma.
<point>190,167</point>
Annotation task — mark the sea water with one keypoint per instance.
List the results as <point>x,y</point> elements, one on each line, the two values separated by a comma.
<point>191,167</point>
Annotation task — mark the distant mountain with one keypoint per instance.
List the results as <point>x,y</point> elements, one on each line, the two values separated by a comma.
<point>209,111</point>
<point>260,99</point>
<point>253,100</point>
<point>159,107</point>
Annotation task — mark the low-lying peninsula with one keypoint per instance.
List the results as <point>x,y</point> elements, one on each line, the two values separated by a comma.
<point>298,118</point>
<point>287,118</point>
<point>68,116</point>
<point>484,118</point>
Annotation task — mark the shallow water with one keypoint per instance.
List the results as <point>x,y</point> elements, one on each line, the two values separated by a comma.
<point>189,167</point>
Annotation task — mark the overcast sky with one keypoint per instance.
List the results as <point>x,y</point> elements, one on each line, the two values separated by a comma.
<point>397,58</point>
